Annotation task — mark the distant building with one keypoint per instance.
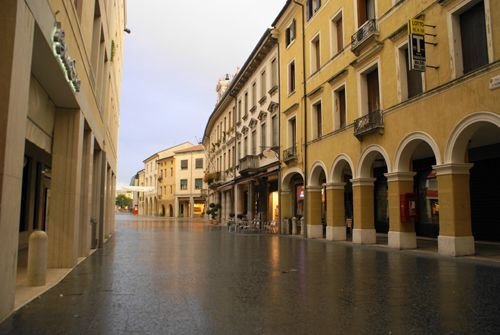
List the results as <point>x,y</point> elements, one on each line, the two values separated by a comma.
<point>175,176</point>
<point>60,79</point>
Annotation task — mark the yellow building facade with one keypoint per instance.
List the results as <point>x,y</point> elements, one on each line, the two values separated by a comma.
<point>173,179</point>
<point>370,146</point>
<point>60,75</point>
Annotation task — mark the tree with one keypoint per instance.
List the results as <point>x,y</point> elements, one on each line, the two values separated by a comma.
<point>123,201</point>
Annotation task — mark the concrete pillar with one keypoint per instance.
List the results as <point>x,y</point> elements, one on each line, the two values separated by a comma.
<point>64,207</point>
<point>401,235</point>
<point>236,201</point>
<point>191,206</point>
<point>285,209</point>
<point>86,194</point>
<point>112,218</point>
<point>16,39</point>
<point>313,212</point>
<point>251,200</point>
<point>364,217</point>
<point>335,212</point>
<point>455,230</point>
<point>96,187</point>
<point>102,198</point>
<point>176,207</point>
<point>37,258</point>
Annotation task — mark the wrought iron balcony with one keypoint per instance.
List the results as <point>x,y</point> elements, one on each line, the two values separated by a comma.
<point>365,33</point>
<point>290,154</point>
<point>249,164</point>
<point>368,124</point>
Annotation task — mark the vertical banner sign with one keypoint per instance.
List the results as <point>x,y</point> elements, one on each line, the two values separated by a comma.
<point>416,42</point>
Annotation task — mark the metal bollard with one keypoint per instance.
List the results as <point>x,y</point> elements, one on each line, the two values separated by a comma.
<point>37,258</point>
<point>294,226</point>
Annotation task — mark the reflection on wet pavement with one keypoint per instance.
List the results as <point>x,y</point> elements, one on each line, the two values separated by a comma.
<point>185,277</point>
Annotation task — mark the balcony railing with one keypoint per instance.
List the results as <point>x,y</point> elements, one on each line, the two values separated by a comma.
<point>363,34</point>
<point>249,164</point>
<point>290,154</point>
<point>368,123</point>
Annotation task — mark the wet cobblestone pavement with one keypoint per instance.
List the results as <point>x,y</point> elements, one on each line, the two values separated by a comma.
<point>181,277</point>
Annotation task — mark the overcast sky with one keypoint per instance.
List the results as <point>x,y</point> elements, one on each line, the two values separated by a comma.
<point>173,58</point>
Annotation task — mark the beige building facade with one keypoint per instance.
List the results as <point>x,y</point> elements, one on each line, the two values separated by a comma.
<point>242,138</point>
<point>367,141</point>
<point>60,70</point>
<point>174,177</point>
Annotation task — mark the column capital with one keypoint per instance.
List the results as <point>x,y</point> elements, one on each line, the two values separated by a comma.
<point>400,176</point>
<point>315,188</point>
<point>335,186</point>
<point>286,192</point>
<point>452,168</point>
<point>363,181</point>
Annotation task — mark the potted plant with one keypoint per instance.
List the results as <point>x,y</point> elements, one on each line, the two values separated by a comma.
<point>213,212</point>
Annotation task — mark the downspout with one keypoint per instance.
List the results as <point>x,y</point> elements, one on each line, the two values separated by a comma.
<point>304,229</point>
<point>280,218</point>
<point>235,207</point>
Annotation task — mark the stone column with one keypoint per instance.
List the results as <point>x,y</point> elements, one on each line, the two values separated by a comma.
<point>16,40</point>
<point>313,212</point>
<point>335,212</point>
<point>113,192</point>
<point>401,235</point>
<point>102,198</point>
<point>236,201</point>
<point>250,204</point>
<point>64,212</point>
<point>455,230</point>
<point>86,194</point>
<point>191,207</point>
<point>176,207</point>
<point>285,209</point>
<point>364,218</point>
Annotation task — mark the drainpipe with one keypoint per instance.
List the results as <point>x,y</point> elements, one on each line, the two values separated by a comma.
<point>280,217</point>
<point>235,206</point>
<point>304,153</point>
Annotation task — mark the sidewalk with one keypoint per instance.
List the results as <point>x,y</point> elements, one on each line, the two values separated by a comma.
<point>486,252</point>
